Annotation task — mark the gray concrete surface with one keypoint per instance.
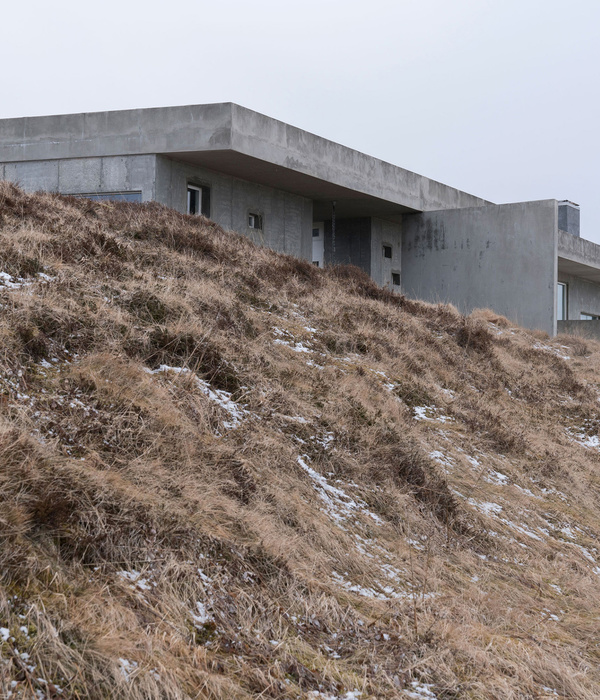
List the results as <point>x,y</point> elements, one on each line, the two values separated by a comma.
<point>385,233</point>
<point>85,175</point>
<point>584,329</point>
<point>578,257</point>
<point>287,218</point>
<point>583,296</point>
<point>235,141</point>
<point>502,257</point>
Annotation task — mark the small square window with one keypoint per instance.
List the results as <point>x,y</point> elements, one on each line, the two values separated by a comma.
<point>396,279</point>
<point>387,251</point>
<point>255,221</point>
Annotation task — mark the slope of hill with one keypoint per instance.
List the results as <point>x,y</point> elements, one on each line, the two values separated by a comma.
<point>225,473</point>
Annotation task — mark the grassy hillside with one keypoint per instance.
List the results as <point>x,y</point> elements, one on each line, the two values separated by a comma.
<point>225,473</point>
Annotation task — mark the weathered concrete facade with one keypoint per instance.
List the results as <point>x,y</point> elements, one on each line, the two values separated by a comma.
<point>501,256</point>
<point>301,194</point>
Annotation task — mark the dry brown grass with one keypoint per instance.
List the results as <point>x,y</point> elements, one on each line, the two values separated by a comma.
<point>388,497</point>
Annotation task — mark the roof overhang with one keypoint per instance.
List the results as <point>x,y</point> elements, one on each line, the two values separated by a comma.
<point>348,202</point>
<point>577,269</point>
<point>239,142</point>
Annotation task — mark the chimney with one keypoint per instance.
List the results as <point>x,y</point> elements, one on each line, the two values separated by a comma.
<point>568,217</point>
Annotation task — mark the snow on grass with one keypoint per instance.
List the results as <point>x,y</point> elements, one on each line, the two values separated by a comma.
<point>218,396</point>
<point>338,504</point>
<point>592,442</point>
<point>549,348</point>
<point>201,616</point>
<point>494,477</point>
<point>442,459</point>
<point>420,691</point>
<point>9,282</point>
<point>296,347</point>
<point>135,580</point>
<point>486,507</point>
<point>128,667</point>
<point>287,339</point>
<point>430,413</point>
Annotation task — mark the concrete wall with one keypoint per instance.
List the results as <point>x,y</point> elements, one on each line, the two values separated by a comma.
<point>388,233</point>
<point>85,175</point>
<point>502,257</point>
<point>287,218</point>
<point>582,296</point>
<point>585,329</point>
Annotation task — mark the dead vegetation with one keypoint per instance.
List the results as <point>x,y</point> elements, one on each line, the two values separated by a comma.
<point>225,473</point>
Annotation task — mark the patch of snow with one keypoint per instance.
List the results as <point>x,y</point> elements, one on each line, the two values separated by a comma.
<point>219,396</point>
<point>201,617</point>
<point>484,507</point>
<point>136,579</point>
<point>338,504</point>
<point>494,477</point>
<point>4,634</point>
<point>430,413</point>
<point>421,691</point>
<point>128,667</point>
<point>296,347</point>
<point>11,282</point>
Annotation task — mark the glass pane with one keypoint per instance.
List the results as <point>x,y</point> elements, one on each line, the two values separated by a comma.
<point>561,299</point>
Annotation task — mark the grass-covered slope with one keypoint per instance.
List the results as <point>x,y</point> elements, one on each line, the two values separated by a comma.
<point>225,473</point>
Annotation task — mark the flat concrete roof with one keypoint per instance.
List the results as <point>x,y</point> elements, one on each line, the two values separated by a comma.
<point>240,142</point>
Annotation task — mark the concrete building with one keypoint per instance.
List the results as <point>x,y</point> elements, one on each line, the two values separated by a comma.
<point>301,194</point>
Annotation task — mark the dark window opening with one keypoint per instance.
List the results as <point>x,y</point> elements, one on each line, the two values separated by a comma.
<point>316,263</point>
<point>255,221</point>
<point>198,200</point>
<point>316,232</point>
<point>396,279</point>
<point>387,251</point>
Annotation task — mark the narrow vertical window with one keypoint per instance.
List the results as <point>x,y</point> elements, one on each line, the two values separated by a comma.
<point>387,251</point>
<point>561,302</point>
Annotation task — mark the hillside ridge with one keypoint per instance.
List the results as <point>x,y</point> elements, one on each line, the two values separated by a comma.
<point>225,473</point>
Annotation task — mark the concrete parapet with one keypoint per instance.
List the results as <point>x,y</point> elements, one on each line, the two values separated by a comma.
<point>584,329</point>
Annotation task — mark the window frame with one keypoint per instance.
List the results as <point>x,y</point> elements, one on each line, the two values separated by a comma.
<point>255,216</point>
<point>562,293</point>
<point>204,191</point>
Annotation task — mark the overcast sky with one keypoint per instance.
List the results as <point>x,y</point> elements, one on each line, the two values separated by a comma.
<point>496,97</point>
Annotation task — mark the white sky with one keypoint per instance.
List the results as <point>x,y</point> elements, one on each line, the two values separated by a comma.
<point>496,97</point>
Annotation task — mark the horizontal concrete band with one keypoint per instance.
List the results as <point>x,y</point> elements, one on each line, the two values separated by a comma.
<point>234,140</point>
